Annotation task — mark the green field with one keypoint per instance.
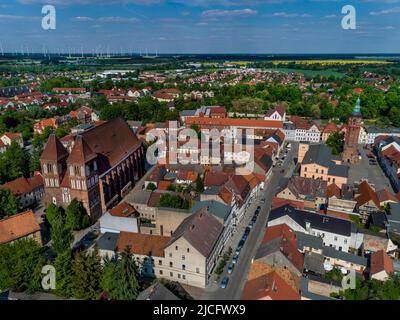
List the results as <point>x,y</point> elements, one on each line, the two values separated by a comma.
<point>312,73</point>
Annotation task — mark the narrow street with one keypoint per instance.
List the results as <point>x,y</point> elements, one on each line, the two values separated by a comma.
<point>238,277</point>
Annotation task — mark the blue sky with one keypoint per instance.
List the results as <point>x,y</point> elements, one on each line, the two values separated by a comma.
<point>202,26</point>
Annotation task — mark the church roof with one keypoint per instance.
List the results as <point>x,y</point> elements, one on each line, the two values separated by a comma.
<point>53,150</point>
<point>81,152</point>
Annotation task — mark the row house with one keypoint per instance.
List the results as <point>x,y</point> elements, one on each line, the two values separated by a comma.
<point>28,191</point>
<point>388,154</point>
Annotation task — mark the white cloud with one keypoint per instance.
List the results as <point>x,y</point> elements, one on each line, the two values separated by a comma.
<point>291,15</point>
<point>228,13</point>
<point>82,19</point>
<point>106,19</point>
<point>9,17</point>
<point>384,12</point>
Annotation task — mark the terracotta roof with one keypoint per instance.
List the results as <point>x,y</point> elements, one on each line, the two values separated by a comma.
<point>380,261</point>
<point>331,127</point>
<point>226,195</point>
<point>187,175</point>
<point>307,187</point>
<point>384,196</point>
<point>142,244</point>
<point>367,194</point>
<point>13,135</point>
<point>53,150</point>
<point>123,209</point>
<point>288,243</point>
<point>163,185</point>
<point>280,109</point>
<point>81,153</point>
<point>113,140</point>
<point>333,191</point>
<point>21,186</point>
<point>269,287</point>
<point>215,178</point>
<point>228,122</point>
<point>279,202</point>
<point>18,226</point>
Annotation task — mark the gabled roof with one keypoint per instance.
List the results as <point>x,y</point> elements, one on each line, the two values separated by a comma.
<point>367,194</point>
<point>269,287</point>
<point>142,244</point>
<point>380,261</point>
<point>157,292</point>
<point>317,221</point>
<point>281,238</point>
<point>81,153</point>
<point>18,226</point>
<point>333,191</point>
<point>384,196</point>
<point>21,186</point>
<point>53,150</point>
<point>201,230</point>
<point>123,209</point>
<point>307,187</point>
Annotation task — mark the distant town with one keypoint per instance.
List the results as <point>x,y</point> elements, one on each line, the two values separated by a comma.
<point>303,204</point>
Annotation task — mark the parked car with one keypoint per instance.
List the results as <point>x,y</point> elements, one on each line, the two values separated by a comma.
<point>250,225</point>
<point>235,258</point>
<point>244,238</point>
<point>247,230</point>
<point>254,219</point>
<point>230,268</point>
<point>224,282</point>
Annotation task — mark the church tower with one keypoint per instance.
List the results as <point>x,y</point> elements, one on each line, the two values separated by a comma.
<point>53,162</point>
<point>352,135</point>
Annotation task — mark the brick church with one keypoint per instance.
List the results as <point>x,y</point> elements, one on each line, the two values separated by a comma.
<point>101,168</point>
<point>352,134</point>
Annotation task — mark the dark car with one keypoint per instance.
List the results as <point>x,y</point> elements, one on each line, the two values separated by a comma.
<point>224,282</point>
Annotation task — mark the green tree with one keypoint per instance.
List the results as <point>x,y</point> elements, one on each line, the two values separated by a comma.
<point>14,163</point>
<point>53,214</point>
<point>63,266</point>
<point>76,216</point>
<point>120,278</point>
<point>19,264</point>
<point>199,184</point>
<point>9,204</point>
<point>151,186</point>
<point>61,237</point>
<point>87,272</point>
<point>336,142</point>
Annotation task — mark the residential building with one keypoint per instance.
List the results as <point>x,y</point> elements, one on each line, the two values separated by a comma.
<point>20,226</point>
<point>335,232</point>
<point>319,163</point>
<point>122,217</point>
<point>28,191</point>
<point>381,266</point>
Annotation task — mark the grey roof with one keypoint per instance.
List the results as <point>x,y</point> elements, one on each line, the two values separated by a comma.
<point>157,291</point>
<point>314,262</point>
<point>201,230</point>
<point>107,241</point>
<point>317,221</point>
<point>13,91</point>
<point>187,113</point>
<point>213,190</point>
<point>135,124</point>
<point>394,215</point>
<point>338,170</point>
<point>308,241</point>
<point>321,154</point>
<point>378,219</point>
<point>214,207</point>
<point>138,196</point>
<point>352,258</point>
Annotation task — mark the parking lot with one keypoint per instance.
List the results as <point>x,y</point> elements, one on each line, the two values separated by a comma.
<point>368,168</point>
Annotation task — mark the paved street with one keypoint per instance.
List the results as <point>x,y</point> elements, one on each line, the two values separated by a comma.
<point>238,277</point>
<point>374,174</point>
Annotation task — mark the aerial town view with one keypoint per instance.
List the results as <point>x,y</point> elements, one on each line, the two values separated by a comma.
<point>214,150</point>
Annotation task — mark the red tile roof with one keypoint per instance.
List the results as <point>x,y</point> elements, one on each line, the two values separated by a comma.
<point>380,261</point>
<point>22,185</point>
<point>142,244</point>
<point>279,202</point>
<point>384,196</point>
<point>18,226</point>
<point>53,150</point>
<point>333,190</point>
<point>367,194</point>
<point>123,209</point>
<point>231,122</point>
<point>269,287</point>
